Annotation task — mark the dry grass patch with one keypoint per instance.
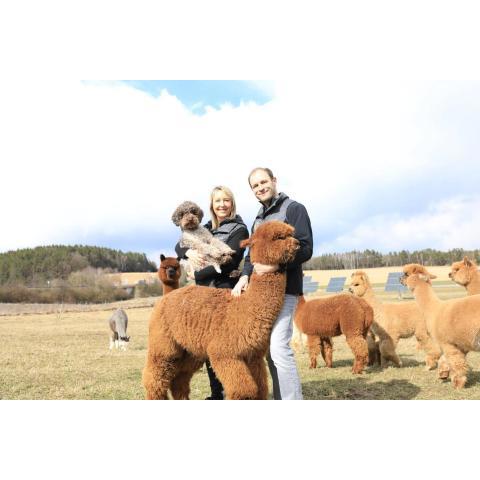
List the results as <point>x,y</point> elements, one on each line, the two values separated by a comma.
<point>67,357</point>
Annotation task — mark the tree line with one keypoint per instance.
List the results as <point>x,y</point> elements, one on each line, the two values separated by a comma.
<point>36,266</point>
<point>372,259</point>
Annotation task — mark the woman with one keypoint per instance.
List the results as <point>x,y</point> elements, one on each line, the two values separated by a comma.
<point>227,226</point>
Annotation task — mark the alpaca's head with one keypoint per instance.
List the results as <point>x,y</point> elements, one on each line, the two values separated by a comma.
<point>463,272</point>
<point>272,243</point>
<point>187,216</point>
<point>169,271</point>
<point>359,283</point>
<point>415,274</point>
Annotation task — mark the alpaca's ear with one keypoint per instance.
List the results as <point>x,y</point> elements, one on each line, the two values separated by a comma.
<point>162,257</point>
<point>467,262</point>
<point>432,276</point>
<point>423,277</point>
<point>178,259</point>
<point>245,243</point>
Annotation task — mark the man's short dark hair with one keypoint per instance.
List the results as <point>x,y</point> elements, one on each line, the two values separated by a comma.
<point>266,170</point>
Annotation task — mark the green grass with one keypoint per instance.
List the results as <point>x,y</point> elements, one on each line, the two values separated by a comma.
<point>66,356</point>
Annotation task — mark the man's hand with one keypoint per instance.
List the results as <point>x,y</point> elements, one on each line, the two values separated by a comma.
<point>241,286</point>
<point>260,268</point>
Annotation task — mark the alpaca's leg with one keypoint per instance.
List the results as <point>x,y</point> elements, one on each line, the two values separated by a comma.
<point>443,368</point>
<point>157,377</point>
<point>360,351</point>
<point>432,350</point>
<point>373,349</point>
<point>258,369</point>
<point>236,378</point>
<point>387,351</point>
<point>458,364</point>
<point>181,382</point>
<point>313,343</point>
<point>326,349</point>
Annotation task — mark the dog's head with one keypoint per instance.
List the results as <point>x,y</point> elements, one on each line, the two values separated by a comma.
<point>463,272</point>
<point>359,283</point>
<point>187,216</point>
<point>169,271</point>
<point>272,243</point>
<point>415,274</point>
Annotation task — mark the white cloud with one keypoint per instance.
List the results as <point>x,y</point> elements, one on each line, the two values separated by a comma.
<point>84,160</point>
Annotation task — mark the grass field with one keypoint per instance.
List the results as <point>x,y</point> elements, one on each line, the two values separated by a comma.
<point>66,356</point>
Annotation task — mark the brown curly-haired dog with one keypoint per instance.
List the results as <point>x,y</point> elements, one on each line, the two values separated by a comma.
<point>466,274</point>
<point>323,318</point>
<point>454,324</point>
<point>193,323</point>
<point>169,273</point>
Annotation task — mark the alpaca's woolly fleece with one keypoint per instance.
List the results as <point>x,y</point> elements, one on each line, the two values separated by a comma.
<point>454,324</point>
<point>323,318</point>
<point>393,321</point>
<point>193,323</point>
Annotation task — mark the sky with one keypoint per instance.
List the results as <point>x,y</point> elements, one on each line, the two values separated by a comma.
<point>385,165</point>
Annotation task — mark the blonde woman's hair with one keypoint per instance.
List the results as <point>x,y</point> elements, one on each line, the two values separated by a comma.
<point>229,194</point>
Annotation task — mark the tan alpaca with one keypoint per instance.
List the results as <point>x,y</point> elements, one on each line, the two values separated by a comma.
<point>454,324</point>
<point>466,274</point>
<point>393,321</point>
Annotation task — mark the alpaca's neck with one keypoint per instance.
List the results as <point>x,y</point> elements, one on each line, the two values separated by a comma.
<point>262,303</point>
<point>473,288</point>
<point>169,288</point>
<point>427,300</point>
<point>370,297</point>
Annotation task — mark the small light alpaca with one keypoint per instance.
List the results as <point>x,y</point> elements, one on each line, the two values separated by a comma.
<point>188,217</point>
<point>454,324</point>
<point>466,274</point>
<point>323,318</point>
<point>118,325</point>
<point>169,273</point>
<point>194,323</point>
<point>394,321</point>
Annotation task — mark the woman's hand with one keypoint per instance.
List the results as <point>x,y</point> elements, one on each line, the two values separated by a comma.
<point>196,257</point>
<point>241,286</point>
<point>260,268</point>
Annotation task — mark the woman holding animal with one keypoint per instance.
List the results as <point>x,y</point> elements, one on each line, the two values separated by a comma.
<point>225,225</point>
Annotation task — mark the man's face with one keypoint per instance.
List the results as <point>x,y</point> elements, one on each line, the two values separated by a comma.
<point>264,187</point>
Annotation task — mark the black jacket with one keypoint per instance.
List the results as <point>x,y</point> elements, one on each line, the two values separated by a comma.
<point>297,217</point>
<point>232,232</point>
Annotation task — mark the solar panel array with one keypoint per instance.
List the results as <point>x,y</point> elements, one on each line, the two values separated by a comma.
<point>336,284</point>
<point>393,283</point>
<point>309,286</point>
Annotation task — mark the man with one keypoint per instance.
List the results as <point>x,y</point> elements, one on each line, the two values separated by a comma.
<point>277,206</point>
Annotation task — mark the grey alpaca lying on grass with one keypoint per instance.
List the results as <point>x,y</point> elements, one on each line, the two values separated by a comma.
<point>118,325</point>
<point>188,216</point>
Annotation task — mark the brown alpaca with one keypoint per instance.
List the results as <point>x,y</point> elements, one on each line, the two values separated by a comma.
<point>193,323</point>
<point>466,274</point>
<point>394,321</point>
<point>323,318</point>
<point>169,273</point>
<point>454,324</point>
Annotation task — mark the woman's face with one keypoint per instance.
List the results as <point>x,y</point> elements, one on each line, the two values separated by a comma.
<point>222,205</point>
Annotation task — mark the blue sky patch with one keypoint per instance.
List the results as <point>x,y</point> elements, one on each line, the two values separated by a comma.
<point>197,94</point>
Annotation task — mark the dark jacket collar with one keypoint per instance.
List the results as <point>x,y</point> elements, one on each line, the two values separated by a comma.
<point>278,200</point>
<point>237,219</point>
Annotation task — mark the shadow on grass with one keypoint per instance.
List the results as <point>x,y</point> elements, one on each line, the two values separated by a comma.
<point>359,389</point>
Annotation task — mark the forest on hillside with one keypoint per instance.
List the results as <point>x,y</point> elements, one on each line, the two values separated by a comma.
<point>36,266</point>
<point>374,259</point>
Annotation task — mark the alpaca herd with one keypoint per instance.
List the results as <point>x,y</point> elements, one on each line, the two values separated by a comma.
<point>193,323</point>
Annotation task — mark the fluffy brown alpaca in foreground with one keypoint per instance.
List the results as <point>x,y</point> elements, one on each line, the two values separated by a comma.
<point>323,318</point>
<point>394,321</point>
<point>454,324</point>
<point>193,323</point>
<point>466,274</point>
<point>169,273</point>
